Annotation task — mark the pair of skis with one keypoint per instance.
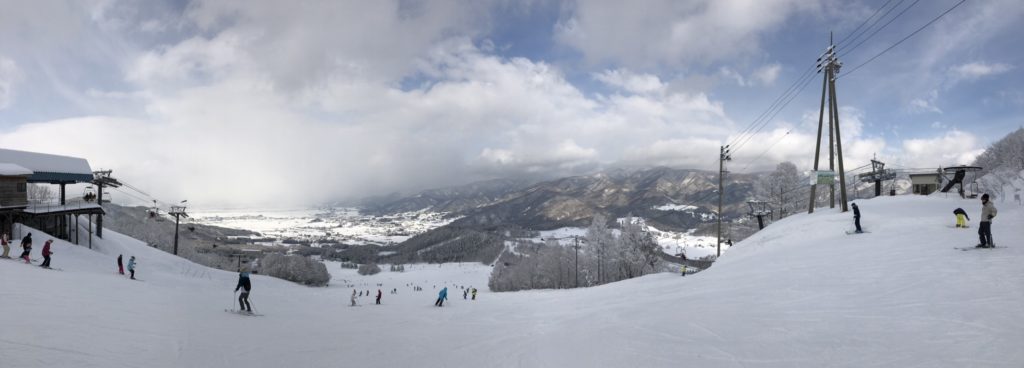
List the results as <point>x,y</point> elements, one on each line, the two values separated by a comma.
<point>243,313</point>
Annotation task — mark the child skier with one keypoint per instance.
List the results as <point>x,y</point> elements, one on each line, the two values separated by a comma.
<point>7,249</point>
<point>246,286</point>
<point>46,254</point>
<point>353,297</point>
<point>441,296</point>
<point>120,265</point>
<point>26,244</point>
<point>131,266</point>
<point>378,296</point>
<point>961,215</point>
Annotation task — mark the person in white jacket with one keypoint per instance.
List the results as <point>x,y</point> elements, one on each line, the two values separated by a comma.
<point>988,212</point>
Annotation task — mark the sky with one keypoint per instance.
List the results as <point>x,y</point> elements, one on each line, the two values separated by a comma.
<point>273,103</point>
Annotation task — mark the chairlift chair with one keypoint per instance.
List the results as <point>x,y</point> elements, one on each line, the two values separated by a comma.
<point>89,194</point>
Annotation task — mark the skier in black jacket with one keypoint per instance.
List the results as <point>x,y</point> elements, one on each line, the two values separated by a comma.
<point>246,286</point>
<point>856,217</point>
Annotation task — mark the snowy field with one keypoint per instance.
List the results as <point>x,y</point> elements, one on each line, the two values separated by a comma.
<point>800,293</point>
<point>342,224</point>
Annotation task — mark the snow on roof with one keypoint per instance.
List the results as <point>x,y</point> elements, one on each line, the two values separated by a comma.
<point>7,169</point>
<point>66,167</point>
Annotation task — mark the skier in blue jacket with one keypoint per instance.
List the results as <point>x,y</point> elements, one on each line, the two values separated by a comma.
<point>441,297</point>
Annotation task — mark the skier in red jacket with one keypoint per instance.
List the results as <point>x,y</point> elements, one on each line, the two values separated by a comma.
<point>46,254</point>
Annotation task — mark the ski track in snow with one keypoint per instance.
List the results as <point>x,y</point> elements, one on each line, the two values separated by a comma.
<point>798,294</point>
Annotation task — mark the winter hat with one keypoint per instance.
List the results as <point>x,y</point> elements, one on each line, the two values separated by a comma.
<point>984,197</point>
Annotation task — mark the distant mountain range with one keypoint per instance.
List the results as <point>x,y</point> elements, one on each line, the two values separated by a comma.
<point>676,199</point>
<point>668,199</point>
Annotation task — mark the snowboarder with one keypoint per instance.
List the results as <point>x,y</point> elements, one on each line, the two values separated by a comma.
<point>46,254</point>
<point>353,297</point>
<point>378,296</point>
<point>131,267</point>
<point>26,244</point>
<point>474,294</point>
<point>120,264</point>
<point>961,217</point>
<point>246,286</point>
<point>856,218</point>
<point>7,249</point>
<point>988,212</point>
<point>441,296</point>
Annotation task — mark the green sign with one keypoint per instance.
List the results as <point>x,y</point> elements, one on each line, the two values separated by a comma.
<point>823,177</point>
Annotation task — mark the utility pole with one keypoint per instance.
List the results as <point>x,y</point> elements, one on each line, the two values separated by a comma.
<point>723,156</point>
<point>830,65</point>
<point>576,246</point>
<point>177,212</point>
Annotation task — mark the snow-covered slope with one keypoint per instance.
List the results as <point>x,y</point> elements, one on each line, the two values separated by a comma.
<point>800,293</point>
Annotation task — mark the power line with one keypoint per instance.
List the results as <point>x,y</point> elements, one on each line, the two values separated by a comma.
<point>854,47</point>
<point>863,23</point>
<point>865,30</point>
<point>903,39</point>
<point>764,123</point>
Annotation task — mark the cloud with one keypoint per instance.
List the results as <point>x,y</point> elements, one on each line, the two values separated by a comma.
<point>975,70</point>
<point>9,75</point>
<point>951,148</point>
<point>673,33</point>
<point>631,82</point>
<point>215,121</point>
<point>925,104</point>
<point>767,74</point>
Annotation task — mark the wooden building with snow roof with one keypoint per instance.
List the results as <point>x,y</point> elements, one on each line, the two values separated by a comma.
<point>60,219</point>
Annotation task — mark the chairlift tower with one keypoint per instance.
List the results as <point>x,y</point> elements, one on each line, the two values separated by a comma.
<point>177,212</point>
<point>102,179</point>
<point>877,175</point>
<point>829,65</point>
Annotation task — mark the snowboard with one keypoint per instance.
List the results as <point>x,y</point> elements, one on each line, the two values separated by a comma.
<point>241,313</point>
<point>853,232</point>
<point>976,248</point>
<point>52,268</point>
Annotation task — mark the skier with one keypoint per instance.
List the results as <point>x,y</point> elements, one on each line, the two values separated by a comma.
<point>7,249</point>
<point>131,266</point>
<point>988,212</point>
<point>474,294</point>
<point>441,296</point>
<point>682,269</point>
<point>46,254</point>
<point>961,215</point>
<point>856,218</point>
<point>120,265</point>
<point>465,294</point>
<point>353,297</point>
<point>26,244</point>
<point>378,296</point>
<point>246,285</point>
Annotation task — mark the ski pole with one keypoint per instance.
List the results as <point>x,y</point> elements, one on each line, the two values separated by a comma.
<point>235,296</point>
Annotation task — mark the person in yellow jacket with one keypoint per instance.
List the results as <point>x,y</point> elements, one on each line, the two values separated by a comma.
<point>961,217</point>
